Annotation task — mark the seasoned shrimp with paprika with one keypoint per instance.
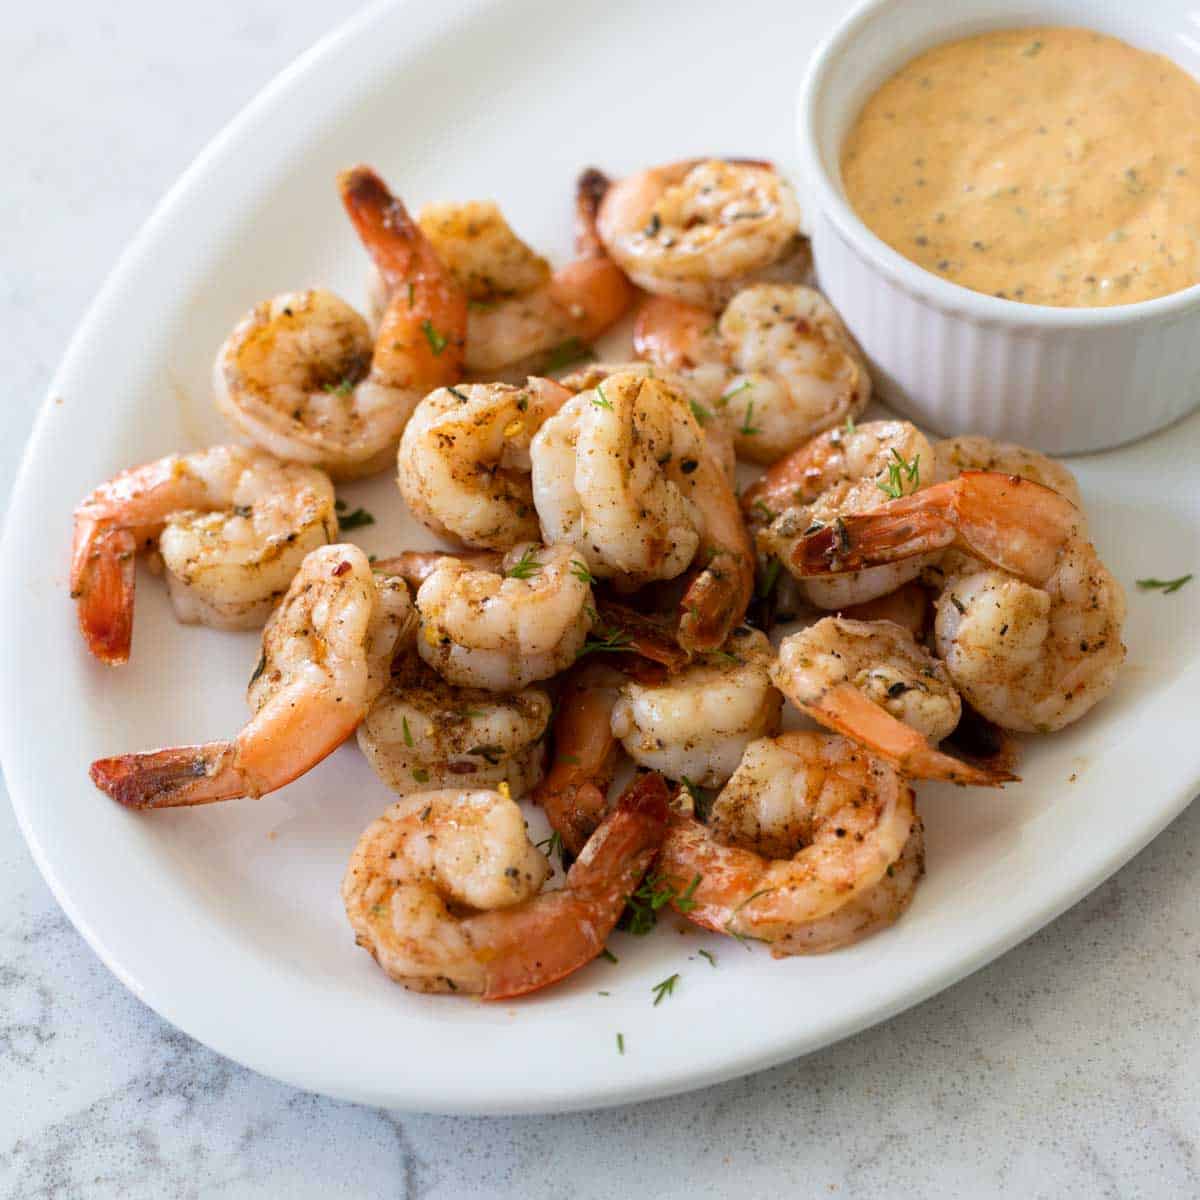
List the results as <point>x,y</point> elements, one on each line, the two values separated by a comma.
<point>811,844</point>
<point>1032,640</point>
<point>623,474</point>
<point>777,367</point>
<point>700,229</point>
<point>326,654</point>
<point>872,682</point>
<point>464,463</point>
<point>847,470</point>
<point>523,317</point>
<point>503,630</point>
<point>230,524</point>
<point>422,732</point>
<point>445,890</point>
<point>301,374</point>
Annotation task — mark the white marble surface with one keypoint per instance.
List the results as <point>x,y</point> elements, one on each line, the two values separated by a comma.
<point>1071,1067</point>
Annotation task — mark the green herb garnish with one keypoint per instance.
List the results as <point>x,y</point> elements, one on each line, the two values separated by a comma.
<point>712,961</point>
<point>900,471</point>
<point>608,954</point>
<point>641,911</point>
<point>702,415</point>
<point>600,400</point>
<point>620,1043</point>
<point>437,343</point>
<point>420,775</point>
<point>666,988</point>
<point>408,737</point>
<point>1166,586</point>
<point>722,401</point>
<point>580,571</point>
<point>344,388</point>
<point>356,519</point>
<point>746,428</point>
<point>526,567</point>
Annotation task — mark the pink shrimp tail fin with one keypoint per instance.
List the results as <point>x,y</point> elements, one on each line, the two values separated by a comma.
<point>716,600</point>
<point>1013,523</point>
<point>103,576</point>
<point>845,710</point>
<point>170,778</point>
<point>565,930</point>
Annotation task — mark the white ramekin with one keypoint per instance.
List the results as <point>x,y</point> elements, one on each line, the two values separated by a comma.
<point>1064,380</point>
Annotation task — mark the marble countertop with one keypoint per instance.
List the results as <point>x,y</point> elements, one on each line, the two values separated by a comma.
<point>1070,1067</point>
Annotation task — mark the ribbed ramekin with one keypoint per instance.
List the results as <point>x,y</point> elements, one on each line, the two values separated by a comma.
<point>1063,380</point>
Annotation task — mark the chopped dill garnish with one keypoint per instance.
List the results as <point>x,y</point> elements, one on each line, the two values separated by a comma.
<point>712,959</point>
<point>1166,586</point>
<point>344,388</point>
<point>722,401</point>
<point>900,471</point>
<point>600,400</point>
<point>437,342</point>
<point>580,571</point>
<point>746,428</point>
<point>420,775</point>
<point>702,415</point>
<point>665,988</point>
<point>608,954</point>
<point>526,567</point>
<point>641,912</point>
<point>408,737</point>
<point>353,520</point>
<point>620,1043</point>
<point>744,937</point>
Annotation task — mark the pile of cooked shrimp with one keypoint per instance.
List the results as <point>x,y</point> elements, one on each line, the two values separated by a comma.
<point>610,596</point>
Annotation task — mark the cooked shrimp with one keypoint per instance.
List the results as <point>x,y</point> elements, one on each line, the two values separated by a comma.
<point>700,229</point>
<point>504,631</point>
<point>953,456</point>
<point>301,375</point>
<point>777,367</point>
<point>1033,641</point>
<point>623,474</point>
<point>443,891</point>
<point>521,316</point>
<point>232,526</point>
<point>464,460</point>
<point>423,732</point>
<point>716,432</point>
<point>326,653</point>
<point>695,725</point>
<point>574,793</point>
<point>871,682</point>
<point>808,825</point>
<point>846,470</point>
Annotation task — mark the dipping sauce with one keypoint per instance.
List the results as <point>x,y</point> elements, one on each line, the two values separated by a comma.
<point>1050,166</point>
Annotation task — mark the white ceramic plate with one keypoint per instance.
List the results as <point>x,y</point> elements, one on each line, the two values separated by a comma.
<point>226,920</point>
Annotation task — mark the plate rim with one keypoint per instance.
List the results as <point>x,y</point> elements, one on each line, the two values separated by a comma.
<point>1084,875</point>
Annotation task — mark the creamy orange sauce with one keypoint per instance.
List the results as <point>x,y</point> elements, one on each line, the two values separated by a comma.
<point>1051,166</point>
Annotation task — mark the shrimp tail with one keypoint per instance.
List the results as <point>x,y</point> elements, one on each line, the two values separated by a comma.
<point>564,930</point>
<point>716,601</point>
<point>574,792</point>
<point>171,778</point>
<point>1015,524</point>
<point>103,576</point>
<point>426,320</point>
<point>845,710</point>
<point>652,639</point>
<point>590,190</point>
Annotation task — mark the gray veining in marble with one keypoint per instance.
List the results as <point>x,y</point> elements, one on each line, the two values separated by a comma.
<point>1071,1067</point>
